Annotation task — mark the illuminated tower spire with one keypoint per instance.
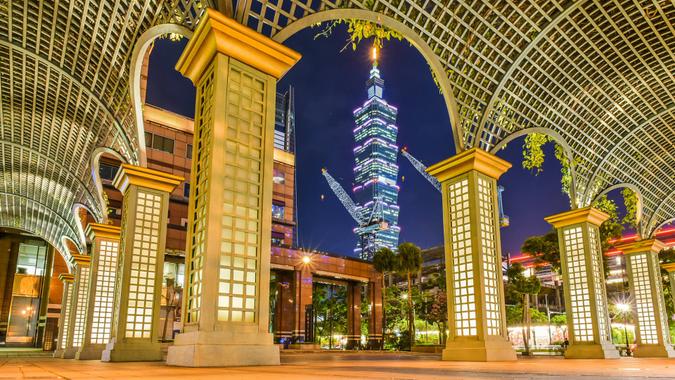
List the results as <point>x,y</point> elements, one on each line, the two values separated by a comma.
<point>376,170</point>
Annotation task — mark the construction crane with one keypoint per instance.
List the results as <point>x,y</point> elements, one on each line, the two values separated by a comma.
<point>422,169</point>
<point>369,220</point>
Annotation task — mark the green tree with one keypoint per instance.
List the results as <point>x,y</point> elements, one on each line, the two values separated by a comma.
<point>525,286</point>
<point>330,309</point>
<point>667,256</point>
<point>544,248</point>
<point>409,262</point>
<point>384,261</point>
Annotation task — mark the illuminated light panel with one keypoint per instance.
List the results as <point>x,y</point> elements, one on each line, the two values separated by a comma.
<point>81,307</point>
<point>105,292</point>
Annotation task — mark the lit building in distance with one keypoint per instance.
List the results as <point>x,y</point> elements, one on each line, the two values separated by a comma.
<point>284,121</point>
<point>376,170</point>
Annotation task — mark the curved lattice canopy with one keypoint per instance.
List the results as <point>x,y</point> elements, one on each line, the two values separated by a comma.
<point>601,74</point>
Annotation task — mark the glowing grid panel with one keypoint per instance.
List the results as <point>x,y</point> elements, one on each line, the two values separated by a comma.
<point>642,293</point>
<point>660,301</point>
<point>143,265</point>
<point>462,260</point>
<point>81,307</point>
<point>242,196</point>
<point>582,320</point>
<point>66,312</point>
<point>200,195</point>
<point>601,311</point>
<point>486,214</point>
<point>105,292</point>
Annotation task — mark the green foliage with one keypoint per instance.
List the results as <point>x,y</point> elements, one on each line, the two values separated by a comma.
<point>533,153</point>
<point>514,315</point>
<point>384,260</point>
<point>544,248</point>
<point>521,284</point>
<point>612,227</point>
<point>559,319</point>
<point>667,256</point>
<point>410,258</point>
<point>360,30</point>
<point>619,336</point>
<point>630,201</point>
<point>330,309</point>
<point>565,170</point>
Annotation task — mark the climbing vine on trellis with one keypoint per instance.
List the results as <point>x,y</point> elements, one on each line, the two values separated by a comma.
<point>533,152</point>
<point>360,30</point>
<point>630,201</point>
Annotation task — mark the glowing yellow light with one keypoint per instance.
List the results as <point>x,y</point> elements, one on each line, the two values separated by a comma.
<point>306,259</point>
<point>623,307</point>
<point>374,53</point>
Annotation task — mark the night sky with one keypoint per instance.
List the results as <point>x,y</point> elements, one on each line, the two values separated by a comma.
<point>329,85</point>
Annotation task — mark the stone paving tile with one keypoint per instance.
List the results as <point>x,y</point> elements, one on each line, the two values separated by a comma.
<point>348,366</point>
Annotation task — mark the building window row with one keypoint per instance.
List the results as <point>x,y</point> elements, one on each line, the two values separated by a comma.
<point>158,142</point>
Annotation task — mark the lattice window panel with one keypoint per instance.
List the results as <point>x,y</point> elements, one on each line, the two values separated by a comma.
<point>242,195</point>
<point>642,294</point>
<point>105,292</point>
<point>66,304</point>
<point>81,307</point>
<point>601,310</point>
<point>491,264</point>
<point>464,305</point>
<point>200,192</point>
<point>582,320</point>
<point>143,265</point>
<point>660,301</point>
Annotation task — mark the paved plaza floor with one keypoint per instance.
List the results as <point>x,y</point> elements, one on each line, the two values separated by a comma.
<point>347,366</point>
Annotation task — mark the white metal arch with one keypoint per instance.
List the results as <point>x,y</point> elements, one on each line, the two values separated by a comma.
<point>636,190</point>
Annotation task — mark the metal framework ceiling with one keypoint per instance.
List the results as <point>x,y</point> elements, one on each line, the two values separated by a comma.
<point>598,73</point>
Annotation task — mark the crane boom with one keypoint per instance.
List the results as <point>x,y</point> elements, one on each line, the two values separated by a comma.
<point>421,168</point>
<point>352,208</point>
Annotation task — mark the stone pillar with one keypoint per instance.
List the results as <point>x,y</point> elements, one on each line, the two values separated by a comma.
<point>670,268</point>
<point>78,305</point>
<point>226,310</point>
<point>588,323</point>
<point>476,312</point>
<point>303,285</point>
<point>375,321</point>
<point>64,318</point>
<point>284,316</point>
<point>105,240</point>
<point>135,322</point>
<point>649,310</point>
<point>353,316</point>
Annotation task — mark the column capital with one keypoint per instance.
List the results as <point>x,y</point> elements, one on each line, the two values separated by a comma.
<point>641,246</point>
<point>472,159</point>
<point>581,215</point>
<point>66,277</point>
<point>80,260</point>
<point>144,177</point>
<point>669,267</point>
<point>105,231</point>
<point>217,33</point>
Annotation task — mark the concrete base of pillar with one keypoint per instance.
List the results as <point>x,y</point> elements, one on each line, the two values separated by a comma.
<point>58,353</point>
<point>591,351</point>
<point>69,353</point>
<point>471,350</point>
<point>223,349</point>
<point>654,351</point>
<point>90,352</point>
<point>132,352</point>
<point>304,346</point>
<point>353,343</point>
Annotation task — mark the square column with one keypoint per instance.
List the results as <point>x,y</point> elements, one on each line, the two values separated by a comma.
<point>78,305</point>
<point>140,264</point>
<point>649,310</point>
<point>64,318</point>
<point>375,321</point>
<point>476,312</point>
<point>105,240</point>
<point>353,316</point>
<point>303,285</point>
<point>226,309</point>
<point>588,323</point>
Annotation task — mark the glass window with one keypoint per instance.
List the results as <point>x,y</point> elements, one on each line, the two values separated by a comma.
<point>107,171</point>
<point>162,143</point>
<point>188,151</point>
<point>186,190</point>
<point>278,177</point>
<point>278,211</point>
<point>148,139</point>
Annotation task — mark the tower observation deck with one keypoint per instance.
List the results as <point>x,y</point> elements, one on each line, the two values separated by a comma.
<point>376,170</point>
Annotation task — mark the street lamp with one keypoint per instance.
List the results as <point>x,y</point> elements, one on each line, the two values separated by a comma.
<point>624,308</point>
<point>306,259</point>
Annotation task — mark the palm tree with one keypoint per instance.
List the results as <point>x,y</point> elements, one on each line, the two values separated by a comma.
<point>384,261</point>
<point>409,262</point>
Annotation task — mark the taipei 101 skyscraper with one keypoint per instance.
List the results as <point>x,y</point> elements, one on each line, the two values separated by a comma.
<point>376,170</point>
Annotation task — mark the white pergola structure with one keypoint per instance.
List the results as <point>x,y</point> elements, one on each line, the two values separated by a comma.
<point>596,76</point>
